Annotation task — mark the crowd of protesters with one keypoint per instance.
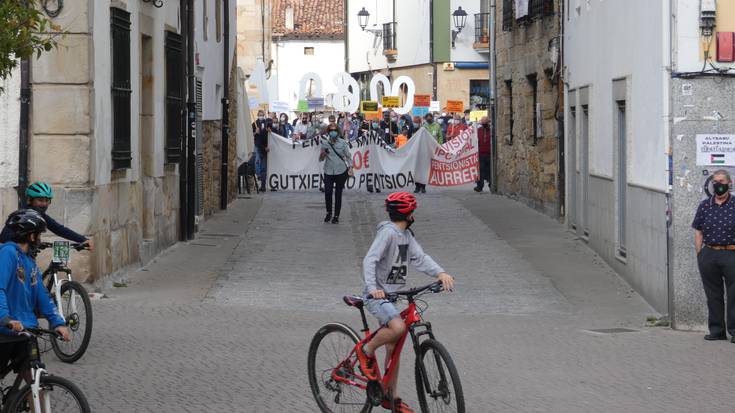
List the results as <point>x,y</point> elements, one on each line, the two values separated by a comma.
<point>395,129</point>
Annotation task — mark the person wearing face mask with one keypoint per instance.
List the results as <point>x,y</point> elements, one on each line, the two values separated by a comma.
<point>714,235</point>
<point>284,128</point>
<point>39,197</point>
<point>337,169</point>
<point>260,132</point>
<point>484,143</point>
<point>456,127</point>
<point>302,127</point>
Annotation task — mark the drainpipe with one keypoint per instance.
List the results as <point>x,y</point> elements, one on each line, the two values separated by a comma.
<point>191,134</point>
<point>226,103</point>
<point>346,36</point>
<point>668,62</point>
<point>431,50</point>
<point>493,100</point>
<point>23,141</point>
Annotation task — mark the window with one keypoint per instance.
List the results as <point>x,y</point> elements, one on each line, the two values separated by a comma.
<point>509,90</point>
<point>533,82</point>
<point>482,31</point>
<point>622,178</point>
<point>218,19</point>
<point>508,16</point>
<point>309,51</point>
<point>389,37</point>
<point>120,27</point>
<point>479,94</point>
<point>174,96</point>
<point>205,20</point>
<point>540,8</point>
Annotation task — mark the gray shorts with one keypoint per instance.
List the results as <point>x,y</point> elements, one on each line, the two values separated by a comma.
<point>383,310</point>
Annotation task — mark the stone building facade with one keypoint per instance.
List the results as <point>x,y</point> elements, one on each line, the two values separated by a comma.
<point>528,150</point>
<point>118,182</point>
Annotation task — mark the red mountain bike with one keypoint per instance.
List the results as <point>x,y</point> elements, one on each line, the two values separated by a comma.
<point>339,386</point>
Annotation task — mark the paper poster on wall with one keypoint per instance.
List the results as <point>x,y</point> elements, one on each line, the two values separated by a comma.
<point>716,150</point>
<point>435,106</point>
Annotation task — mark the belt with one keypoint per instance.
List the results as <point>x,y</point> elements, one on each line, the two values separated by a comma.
<point>721,247</point>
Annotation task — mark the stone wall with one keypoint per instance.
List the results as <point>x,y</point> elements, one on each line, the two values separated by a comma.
<point>526,169</point>
<point>709,109</point>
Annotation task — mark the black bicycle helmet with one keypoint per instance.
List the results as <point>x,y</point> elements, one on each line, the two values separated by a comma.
<point>26,221</point>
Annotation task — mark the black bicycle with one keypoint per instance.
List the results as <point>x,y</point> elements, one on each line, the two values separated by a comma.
<point>45,392</point>
<point>72,300</point>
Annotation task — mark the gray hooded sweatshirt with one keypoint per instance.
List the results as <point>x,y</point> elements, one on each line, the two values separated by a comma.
<point>384,266</point>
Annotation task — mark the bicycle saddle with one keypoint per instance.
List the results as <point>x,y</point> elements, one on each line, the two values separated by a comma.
<point>354,301</point>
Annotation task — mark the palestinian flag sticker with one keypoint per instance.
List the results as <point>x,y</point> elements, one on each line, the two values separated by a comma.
<point>717,158</point>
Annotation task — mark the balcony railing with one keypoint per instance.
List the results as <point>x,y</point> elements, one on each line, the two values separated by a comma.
<point>482,31</point>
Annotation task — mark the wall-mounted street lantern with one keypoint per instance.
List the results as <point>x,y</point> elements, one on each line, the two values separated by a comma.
<point>156,3</point>
<point>460,19</point>
<point>363,17</point>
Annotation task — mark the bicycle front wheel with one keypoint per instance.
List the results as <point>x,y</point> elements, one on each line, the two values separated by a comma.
<point>328,357</point>
<point>437,380</point>
<point>56,394</point>
<point>77,311</point>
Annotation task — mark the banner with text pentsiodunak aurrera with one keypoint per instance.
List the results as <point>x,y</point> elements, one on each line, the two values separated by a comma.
<point>294,165</point>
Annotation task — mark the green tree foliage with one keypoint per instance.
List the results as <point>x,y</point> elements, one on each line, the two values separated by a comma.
<point>24,32</point>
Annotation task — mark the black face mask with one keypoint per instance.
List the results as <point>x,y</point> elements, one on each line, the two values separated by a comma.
<point>40,209</point>
<point>720,188</point>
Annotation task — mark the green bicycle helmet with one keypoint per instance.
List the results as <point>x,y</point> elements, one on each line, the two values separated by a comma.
<point>39,190</point>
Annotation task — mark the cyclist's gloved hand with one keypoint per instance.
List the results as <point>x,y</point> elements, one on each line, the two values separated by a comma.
<point>447,281</point>
<point>378,294</point>
<point>64,331</point>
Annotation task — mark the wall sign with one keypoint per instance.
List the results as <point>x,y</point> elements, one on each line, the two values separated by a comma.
<point>716,150</point>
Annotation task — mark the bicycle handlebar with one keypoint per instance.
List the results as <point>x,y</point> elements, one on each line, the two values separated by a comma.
<point>435,287</point>
<point>35,331</point>
<point>76,246</point>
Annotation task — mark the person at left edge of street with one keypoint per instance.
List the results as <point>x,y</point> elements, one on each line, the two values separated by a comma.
<point>484,143</point>
<point>714,229</point>
<point>337,168</point>
<point>260,131</point>
<point>39,196</point>
<point>22,293</point>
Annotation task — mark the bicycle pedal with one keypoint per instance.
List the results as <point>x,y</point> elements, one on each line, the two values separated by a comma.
<point>375,393</point>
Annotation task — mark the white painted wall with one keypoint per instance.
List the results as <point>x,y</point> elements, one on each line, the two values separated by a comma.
<point>463,50</point>
<point>9,130</point>
<point>412,34</point>
<point>210,54</point>
<point>290,65</point>
<point>610,40</point>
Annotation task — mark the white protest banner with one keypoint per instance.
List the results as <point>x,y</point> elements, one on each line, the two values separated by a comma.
<point>716,150</point>
<point>295,166</point>
<point>456,162</point>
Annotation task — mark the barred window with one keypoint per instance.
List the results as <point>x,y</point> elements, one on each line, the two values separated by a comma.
<point>540,8</point>
<point>174,96</point>
<point>120,26</point>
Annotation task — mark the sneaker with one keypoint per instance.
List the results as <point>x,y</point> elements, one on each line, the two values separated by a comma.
<point>328,218</point>
<point>335,220</point>
<point>423,189</point>
<point>368,364</point>
<point>398,406</point>
<point>477,189</point>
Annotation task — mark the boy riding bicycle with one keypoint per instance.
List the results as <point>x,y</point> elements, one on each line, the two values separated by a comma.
<point>384,271</point>
<point>21,289</point>
<point>39,198</point>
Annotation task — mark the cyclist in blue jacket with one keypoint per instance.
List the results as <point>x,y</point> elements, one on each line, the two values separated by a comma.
<point>22,292</point>
<point>39,196</point>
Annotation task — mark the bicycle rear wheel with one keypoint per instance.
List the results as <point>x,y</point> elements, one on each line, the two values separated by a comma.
<point>77,311</point>
<point>58,393</point>
<point>440,382</point>
<point>331,346</point>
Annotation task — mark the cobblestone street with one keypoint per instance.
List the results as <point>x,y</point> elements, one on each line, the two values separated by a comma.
<point>223,323</point>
